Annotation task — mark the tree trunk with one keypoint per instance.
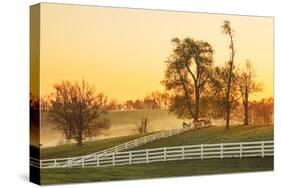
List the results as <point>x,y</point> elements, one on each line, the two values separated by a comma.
<point>197,105</point>
<point>246,107</point>
<point>228,107</point>
<point>231,62</point>
<point>66,130</point>
<point>80,138</point>
<point>246,121</point>
<point>227,115</point>
<point>228,103</point>
<point>145,125</point>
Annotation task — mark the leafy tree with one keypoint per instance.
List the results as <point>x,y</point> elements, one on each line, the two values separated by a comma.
<point>261,112</point>
<point>138,104</point>
<point>129,104</point>
<point>188,70</point>
<point>218,92</point>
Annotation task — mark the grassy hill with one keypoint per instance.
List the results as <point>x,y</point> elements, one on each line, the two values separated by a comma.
<point>237,133</point>
<point>199,136</point>
<point>71,150</point>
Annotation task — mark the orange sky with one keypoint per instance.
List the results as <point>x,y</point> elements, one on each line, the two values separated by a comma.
<point>122,51</point>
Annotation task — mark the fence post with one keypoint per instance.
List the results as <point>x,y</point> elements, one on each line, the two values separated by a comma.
<point>126,145</point>
<point>55,163</point>
<point>165,154</point>
<point>82,162</point>
<point>69,162</point>
<point>221,151</point>
<point>115,148</point>
<point>40,164</point>
<point>147,156</point>
<point>145,139</point>
<point>262,149</point>
<point>113,159</point>
<point>182,152</point>
<point>202,152</point>
<point>130,157</point>
<point>98,161</point>
<point>136,144</point>
<point>241,150</point>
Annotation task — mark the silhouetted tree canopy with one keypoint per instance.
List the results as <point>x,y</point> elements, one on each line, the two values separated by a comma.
<point>77,108</point>
<point>187,72</point>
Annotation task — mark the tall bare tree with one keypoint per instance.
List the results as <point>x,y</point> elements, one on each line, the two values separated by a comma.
<point>165,97</point>
<point>142,126</point>
<point>60,110</point>
<point>247,86</point>
<point>77,109</point>
<point>227,30</point>
<point>187,72</point>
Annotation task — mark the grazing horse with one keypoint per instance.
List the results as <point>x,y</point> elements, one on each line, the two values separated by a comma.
<point>203,122</point>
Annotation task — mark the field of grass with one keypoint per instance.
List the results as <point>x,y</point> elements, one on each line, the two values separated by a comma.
<point>156,170</point>
<point>237,133</point>
<point>199,136</point>
<point>166,169</point>
<point>71,150</point>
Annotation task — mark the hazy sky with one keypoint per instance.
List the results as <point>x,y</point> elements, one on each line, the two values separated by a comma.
<point>122,51</point>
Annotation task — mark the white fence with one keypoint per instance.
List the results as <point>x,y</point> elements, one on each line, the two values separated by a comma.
<point>122,147</point>
<point>202,151</point>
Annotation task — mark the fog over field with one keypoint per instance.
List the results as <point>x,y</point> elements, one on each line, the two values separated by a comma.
<point>123,123</point>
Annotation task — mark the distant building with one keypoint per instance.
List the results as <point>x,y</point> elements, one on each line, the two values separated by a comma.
<point>150,104</point>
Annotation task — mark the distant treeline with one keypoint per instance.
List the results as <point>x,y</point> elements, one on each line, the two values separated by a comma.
<point>260,111</point>
<point>154,100</point>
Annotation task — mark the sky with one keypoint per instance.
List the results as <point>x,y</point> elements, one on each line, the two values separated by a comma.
<point>123,51</point>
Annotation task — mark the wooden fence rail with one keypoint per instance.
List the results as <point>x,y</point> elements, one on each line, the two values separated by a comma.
<point>202,151</point>
<point>122,147</point>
